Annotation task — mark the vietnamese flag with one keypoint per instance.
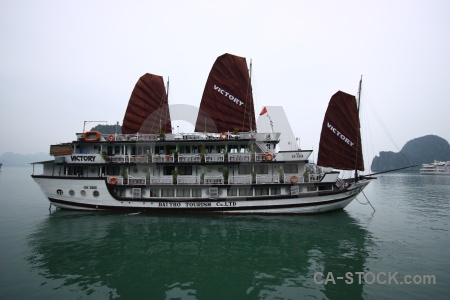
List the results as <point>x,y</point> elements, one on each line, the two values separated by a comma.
<point>263,111</point>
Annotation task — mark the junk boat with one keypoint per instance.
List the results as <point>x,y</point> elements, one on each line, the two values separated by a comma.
<point>225,166</point>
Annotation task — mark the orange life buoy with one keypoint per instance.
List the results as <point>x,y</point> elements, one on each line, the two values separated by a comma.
<point>113,180</point>
<point>223,136</point>
<point>269,156</point>
<point>91,136</point>
<point>293,179</point>
<point>111,137</point>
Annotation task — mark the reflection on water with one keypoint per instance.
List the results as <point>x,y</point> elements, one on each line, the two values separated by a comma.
<point>196,256</point>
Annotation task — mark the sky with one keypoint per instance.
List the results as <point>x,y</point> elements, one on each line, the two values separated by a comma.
<point>66,62</point>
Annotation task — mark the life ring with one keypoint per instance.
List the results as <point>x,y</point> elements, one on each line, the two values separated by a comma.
<point>111,137</point>
<point>91,136</point>
<point>113,180</point>
<point>223,136</point>
<point>269,156</point>
<point>293,179</point>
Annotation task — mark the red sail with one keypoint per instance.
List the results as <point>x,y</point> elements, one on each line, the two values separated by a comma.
<point>340,140</point>
<point>148,110</point>
<point>227,101</point>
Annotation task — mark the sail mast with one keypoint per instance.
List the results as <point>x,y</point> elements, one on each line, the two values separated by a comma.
<point>359,125</point>
<point>250,84</point>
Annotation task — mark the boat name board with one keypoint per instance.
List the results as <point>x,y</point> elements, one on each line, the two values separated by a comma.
<point>228,95</point>
<point>339,134</point>
<point>83,158</point>
<point>197,204</point>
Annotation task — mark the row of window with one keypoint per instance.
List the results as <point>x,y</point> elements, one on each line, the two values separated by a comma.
<point>197,192</point>
<point>185,170</point>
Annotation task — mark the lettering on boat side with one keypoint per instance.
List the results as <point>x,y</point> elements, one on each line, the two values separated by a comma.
<point>339,134</point>
<point>196,204</point>
<point>228,95</point>
<point>90,187</point>
<point>82,158</point>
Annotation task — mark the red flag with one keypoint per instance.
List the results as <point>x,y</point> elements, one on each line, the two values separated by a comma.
<point>263,111</point>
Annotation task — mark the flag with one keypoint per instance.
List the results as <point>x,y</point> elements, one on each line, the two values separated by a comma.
<point>263,111</point>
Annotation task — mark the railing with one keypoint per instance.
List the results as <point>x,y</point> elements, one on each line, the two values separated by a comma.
<point>240,179</point>
<point>189,158</point>
<point>214,179</point>
<point>219,157</point>
<point>264,156</point>
<point>238,157</point>
<point>294,178</point>
<point>115,180</point>
<point>263,178</point>
<point>187,179</point>
<point>162,158</point>
<point>161,180</point>
<point>139,158</point>
<point>142,180</point>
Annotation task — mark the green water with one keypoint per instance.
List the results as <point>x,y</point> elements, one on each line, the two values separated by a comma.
<point>77,255</point>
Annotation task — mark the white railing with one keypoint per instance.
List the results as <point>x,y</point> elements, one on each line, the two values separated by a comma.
<point>141,180</point>
<point>214,179</point>
<point>161,180</point>
<point>263,178</point>
<point>219,157</point>
<point>139,158</point>
<point>264,156</point>
<point>238,157</point>
<point>189,158</point>
<point>162,158</point>
<point>294,178</point>
<point>187,179</point>
<point>117,180</point>
<point>240,179</point>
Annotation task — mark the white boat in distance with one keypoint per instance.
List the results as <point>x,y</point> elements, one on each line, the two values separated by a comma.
<point>436,168</point>
<point>225,166</point>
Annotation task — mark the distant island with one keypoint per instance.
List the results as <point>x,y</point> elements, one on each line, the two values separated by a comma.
<point>418,151</point>
<point>108,129</point>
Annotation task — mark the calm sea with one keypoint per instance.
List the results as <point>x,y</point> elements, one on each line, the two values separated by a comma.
<point>399,252</point>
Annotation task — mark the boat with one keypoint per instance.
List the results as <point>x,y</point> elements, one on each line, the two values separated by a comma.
<point>436,168</point>
<point>224,166</point>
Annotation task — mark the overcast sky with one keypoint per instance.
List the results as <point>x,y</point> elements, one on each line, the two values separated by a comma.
<point>66,62</point>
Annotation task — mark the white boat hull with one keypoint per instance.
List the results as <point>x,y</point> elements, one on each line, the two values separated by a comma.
<point>97,196</point>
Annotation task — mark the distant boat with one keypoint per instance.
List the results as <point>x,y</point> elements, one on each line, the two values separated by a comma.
<point>225,166</point>
<point>436,168</point>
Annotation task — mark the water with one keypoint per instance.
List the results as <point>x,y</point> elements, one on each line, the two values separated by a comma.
<point>78,255</point>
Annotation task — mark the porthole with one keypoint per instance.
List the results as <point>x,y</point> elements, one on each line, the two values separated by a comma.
<point>72,193</point>
<point>95,193</point>
<point>83,193</point>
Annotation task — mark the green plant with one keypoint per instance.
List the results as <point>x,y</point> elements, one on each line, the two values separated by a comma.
<point>175,174</point>
<point>124,174</point>
<point>225,173</point>
<point>306,176</point>
<point>253,177</point>
<point>281,173</point>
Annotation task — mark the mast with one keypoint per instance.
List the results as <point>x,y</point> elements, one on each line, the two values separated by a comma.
<point>359,128</point>
<point>249,87</point>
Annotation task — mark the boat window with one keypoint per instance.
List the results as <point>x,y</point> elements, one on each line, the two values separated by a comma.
<point>117,150</point>
<point>196,192</point>
<point>290,168</point>
<point>109,150</point>
<point>168,170</point>
<point>232,192</point>
<point>167,192</point>
<point>261,191</point>
<point>159,150</point>
<point>183,193</point>
<point>245,192</point>
<point>245,169</point>
<point>275,191</point>
<point>154,192</point>
<point>185,170</point>
<point>261,169</point>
